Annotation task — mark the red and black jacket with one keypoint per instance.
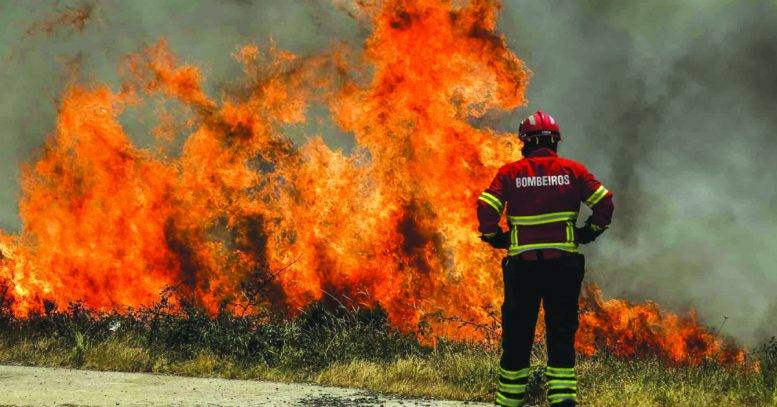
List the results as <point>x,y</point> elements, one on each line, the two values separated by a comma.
<point>542,194</point>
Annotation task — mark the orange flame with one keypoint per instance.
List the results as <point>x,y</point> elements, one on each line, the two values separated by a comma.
<point>391,224</point>
<point>627,329</point>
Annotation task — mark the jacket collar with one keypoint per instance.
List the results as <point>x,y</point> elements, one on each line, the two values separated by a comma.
<point>542,152</point>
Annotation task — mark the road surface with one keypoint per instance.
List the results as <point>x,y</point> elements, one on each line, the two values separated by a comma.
<point>50,386</point>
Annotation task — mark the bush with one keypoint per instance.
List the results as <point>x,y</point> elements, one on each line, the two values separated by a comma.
<point>767,355</point>
<point>334,344</point>
<point>322,334</point>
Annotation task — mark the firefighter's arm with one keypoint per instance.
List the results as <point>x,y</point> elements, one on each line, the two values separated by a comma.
<point>490,205</point>
<point>599,199</point>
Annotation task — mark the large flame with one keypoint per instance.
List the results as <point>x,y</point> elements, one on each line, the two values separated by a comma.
<point>241,215</point>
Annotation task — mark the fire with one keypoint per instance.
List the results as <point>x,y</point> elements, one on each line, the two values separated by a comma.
<point>632,329</point>
<point>242,215</point>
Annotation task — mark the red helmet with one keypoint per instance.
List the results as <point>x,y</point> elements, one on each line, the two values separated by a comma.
<point>539,124</point>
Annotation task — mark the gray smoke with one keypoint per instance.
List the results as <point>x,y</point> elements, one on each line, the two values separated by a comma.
<point>669,103</point>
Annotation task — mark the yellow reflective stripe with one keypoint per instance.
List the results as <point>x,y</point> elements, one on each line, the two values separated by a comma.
<point>569,245</point>
<point>560,369</point>
<point>501,399</point>
<point>596,196</point>
<point>558,384</point>
<point>514,237</point>
<point>562,372</point>
<point>560,376</point>
<point>518,249</point>
<point>490,199</point>
<point>512,388</point>
<point>514,374</point>
<point>542,219</point>
<point>485,196</point>
<point>489,234</point>
<point>496,208</point>
<point>556,398</point>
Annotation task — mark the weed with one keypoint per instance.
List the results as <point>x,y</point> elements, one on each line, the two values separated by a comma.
<point>767,355</point>
<point>334,344</point>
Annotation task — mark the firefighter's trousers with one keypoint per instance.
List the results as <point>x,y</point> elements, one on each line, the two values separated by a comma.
<point>556,283</point>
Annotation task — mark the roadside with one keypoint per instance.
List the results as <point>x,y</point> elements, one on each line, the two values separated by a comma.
<point>345,349</point>
<point>54,386</point>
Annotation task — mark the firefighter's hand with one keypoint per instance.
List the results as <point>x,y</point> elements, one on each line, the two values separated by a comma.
<point>584,235</point>
<point>587,233</point>
<point>500,240</point>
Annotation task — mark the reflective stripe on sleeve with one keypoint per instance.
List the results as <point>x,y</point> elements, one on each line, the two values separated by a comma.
<point>596,196</point>
<point>492,201</point>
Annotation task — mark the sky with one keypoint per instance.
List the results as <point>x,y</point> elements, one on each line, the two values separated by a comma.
<point>670,104</point>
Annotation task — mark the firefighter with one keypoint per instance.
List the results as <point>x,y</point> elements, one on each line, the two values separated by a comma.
<point>542,194</point>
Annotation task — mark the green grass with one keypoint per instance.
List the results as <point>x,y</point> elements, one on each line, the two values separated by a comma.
<point>356,348</point>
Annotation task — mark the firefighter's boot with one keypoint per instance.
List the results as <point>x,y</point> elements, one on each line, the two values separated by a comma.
<point>562,386</point>
<point>512,387</point>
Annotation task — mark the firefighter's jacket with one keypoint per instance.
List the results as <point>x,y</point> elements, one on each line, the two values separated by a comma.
<point>542,194</point>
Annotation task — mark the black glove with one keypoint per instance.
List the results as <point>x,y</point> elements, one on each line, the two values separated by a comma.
<point>587,233</point>
<point>500,240</point>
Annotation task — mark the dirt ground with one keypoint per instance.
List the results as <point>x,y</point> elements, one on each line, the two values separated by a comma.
<point>25,386</point>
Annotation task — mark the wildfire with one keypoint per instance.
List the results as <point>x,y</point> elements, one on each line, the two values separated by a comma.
<point>243,216</point>
<point>631,329</point>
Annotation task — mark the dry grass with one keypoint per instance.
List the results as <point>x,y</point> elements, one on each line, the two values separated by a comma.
<point>117,354</point>
<point>462,375</point>
<point>459,377</point>
<point>358,349</point>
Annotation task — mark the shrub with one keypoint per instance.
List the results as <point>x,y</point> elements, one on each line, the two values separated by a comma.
<point>767,355</point>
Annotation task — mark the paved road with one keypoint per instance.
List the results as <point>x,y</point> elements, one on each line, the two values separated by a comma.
<point>48,386</point>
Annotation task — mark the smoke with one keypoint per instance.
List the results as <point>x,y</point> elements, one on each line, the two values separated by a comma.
<point>668,103</point>
<point>671,105</point>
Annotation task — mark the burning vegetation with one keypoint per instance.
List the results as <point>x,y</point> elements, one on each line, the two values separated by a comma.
<point>242,216</point>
